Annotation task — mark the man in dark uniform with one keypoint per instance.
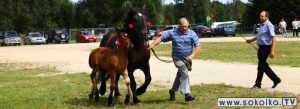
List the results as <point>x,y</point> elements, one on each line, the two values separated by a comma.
<point>266,41</point>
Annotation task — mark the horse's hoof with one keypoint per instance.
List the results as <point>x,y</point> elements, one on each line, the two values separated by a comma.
<point>91,96</point>
<point>96,98</point>
<point>140,91</point>
<point>119,97</point>
<point>126,101</point>
<point>138,103</point>
<point>102,90</point>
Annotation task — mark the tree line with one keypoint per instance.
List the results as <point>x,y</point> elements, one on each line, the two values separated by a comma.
<point>38,15</point>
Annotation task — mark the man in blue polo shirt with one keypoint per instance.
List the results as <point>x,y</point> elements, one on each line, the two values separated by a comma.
<point>183,40</point>
<point>266,41</point>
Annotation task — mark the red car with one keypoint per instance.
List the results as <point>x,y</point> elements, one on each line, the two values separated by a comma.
<point>85,36</point>
<point>157,32</point>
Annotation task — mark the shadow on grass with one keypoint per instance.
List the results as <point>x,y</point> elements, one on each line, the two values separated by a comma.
<point>119,103</point>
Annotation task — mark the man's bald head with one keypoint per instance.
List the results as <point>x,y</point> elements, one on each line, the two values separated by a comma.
<point>183,24</point>
<point>183,20</point>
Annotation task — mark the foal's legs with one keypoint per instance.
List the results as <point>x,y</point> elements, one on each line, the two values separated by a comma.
<point>127,81</point>
<point>117,93</point>
<point>112,87</point>
<point>94,86</point>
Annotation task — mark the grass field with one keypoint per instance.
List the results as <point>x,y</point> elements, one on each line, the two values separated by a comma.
<point>22,87</point>
<point>286,53</point>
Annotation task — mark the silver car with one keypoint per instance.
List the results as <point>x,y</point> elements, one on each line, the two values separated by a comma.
<point>9,37</point>
<point>34,38</point>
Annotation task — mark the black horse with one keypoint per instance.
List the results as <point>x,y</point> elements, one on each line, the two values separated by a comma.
<point>137,27</point>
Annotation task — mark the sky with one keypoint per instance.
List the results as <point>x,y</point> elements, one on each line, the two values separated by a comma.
<point>169,1</point>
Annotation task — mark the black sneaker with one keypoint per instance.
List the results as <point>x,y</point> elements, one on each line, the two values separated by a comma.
<point>256,87</point>
<point>189,98</point>
<point>276,83</point>
<point>172,95</point>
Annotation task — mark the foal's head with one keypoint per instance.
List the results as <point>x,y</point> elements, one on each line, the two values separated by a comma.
<point>124,40</point>
<point>136,22</point>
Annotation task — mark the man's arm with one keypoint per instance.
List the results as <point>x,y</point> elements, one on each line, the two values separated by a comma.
<point>272,55</point>
<point>251,40</point>
<point>157,41</point>
<point>195,52</point>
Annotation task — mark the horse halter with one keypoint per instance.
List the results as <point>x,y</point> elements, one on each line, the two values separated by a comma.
<point>122,44</point>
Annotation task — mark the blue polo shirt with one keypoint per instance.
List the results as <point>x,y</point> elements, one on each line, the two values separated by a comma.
<point>265,33</point>
<point>182,43</point>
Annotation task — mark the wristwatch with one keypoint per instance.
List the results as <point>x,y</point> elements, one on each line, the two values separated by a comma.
<point>192,55</point>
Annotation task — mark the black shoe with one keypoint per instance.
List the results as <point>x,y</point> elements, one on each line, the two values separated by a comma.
<point>189,98</point>
<point>172,95</point>
<point>276,83</point>
<point>256,87</point>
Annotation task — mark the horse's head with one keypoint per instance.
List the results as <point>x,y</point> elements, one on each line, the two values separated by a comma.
<point>136,22</point>
<point>124,39</point>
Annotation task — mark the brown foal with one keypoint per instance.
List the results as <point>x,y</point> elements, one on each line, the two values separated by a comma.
<point>114,61</point>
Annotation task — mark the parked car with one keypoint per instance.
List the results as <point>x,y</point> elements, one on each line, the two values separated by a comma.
<point>85,36</point>
<point>203,31</point>
<point>34,38</point>
<point>151,34</point>
<point>277,30</point>
<point>166,29</point>
<point>9,37</point>
<point>57,36</point>
<point>225,29</point>
<point>157,32</point>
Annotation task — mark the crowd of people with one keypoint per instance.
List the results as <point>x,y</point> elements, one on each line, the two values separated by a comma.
<point>295,24</point>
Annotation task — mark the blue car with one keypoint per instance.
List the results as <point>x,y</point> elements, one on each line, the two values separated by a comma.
<point>225,29</point>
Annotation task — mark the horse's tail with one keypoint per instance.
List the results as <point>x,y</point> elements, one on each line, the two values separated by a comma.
<point>90,63</point>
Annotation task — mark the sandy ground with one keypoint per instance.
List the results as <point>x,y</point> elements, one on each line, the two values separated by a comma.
<point>73,58</point>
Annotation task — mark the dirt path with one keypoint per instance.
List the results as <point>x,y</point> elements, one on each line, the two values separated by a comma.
<point>73,58</point>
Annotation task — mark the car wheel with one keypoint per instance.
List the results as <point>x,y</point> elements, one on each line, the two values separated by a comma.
<point>46,42</point>
<point>67,42</point>
<point>233,35</point>
<point>76,40</point>
<point>58,42</point>
<point>208,36</point>
<point>82,40</point>
<point>25,43</point>
<point>54,41</point>
<point>19,44</point>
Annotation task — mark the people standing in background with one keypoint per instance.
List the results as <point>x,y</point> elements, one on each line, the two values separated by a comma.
<point>295,27</point>
<point>283,26</point>
<point>298,25</point>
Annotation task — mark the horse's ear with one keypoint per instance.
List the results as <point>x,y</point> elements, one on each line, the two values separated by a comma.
<point>130,7</point>
<point>144,7</point>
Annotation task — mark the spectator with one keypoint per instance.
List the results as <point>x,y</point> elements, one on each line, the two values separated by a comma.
<point>283,26</point>
<point>295,27</point>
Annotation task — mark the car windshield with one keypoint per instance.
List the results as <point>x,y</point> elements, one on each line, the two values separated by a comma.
<point>36,35</point>
<point>87,33</point>
<point>230,25</point>
<point>60,31</point>
<point>11,34</point>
